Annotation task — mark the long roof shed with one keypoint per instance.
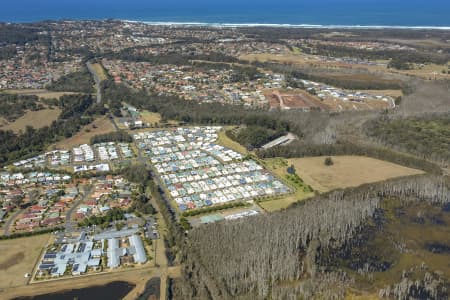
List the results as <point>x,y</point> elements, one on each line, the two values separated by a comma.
<point>139,255</point>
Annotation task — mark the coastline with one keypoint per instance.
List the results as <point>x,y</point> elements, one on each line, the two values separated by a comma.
<point>274,25</point>
<point>241,25</point>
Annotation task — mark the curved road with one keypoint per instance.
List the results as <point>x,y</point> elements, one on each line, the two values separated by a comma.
<point>11,220</point>
<point>69,225</point>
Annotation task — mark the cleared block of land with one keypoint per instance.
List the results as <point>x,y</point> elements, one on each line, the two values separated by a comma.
<point>347,171</point>
<point>150,117</point>
<point>279,204</point>
<point>294,100</point>
<point>19,256</point>
<point>300,189</point>
<point>43,94</point>
<point>99,126</point>
<point>98,69</point>
<point>36,119</point>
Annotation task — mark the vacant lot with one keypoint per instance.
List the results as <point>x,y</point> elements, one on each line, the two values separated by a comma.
<point>150,117</point>
<point>18,258</point>
<point>98,69</point>
<point>297,99</point>
<point>100,126</point>
<point>36,119</point>
<point>347,171</point>
<point>43,94</point>
<point>300,189</point>
<point>281,203</point>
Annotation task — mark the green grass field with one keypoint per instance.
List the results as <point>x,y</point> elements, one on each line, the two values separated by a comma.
<point>301,191</point>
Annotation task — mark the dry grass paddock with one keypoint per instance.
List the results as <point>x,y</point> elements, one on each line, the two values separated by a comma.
<point>36,119</point>
<point>99,126</point>
<point>347,171</point>
<point>19,256</point>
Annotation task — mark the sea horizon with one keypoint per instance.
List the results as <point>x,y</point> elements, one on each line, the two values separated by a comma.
<point>286,13</point>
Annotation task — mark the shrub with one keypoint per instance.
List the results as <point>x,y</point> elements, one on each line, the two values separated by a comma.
<point>328,161</point>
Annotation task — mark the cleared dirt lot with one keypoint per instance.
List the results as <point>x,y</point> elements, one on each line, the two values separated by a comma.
<point>18,257</point>
<point>297,99</point>
<point>347,171</point>
<point>36,119</point>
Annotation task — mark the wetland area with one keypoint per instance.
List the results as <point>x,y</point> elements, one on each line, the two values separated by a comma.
<point>403,242</point>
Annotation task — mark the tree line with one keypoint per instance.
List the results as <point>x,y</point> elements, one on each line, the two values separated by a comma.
<point>138,54</point>
<point>173,108</point>
<point>426,136</point>
<point>174,238</point>
<point>407,56</point>
<point>116,136</point>
<point>78,82</point>
<point>255,136</point>
<point>19,34</point>
<point>13,106</point>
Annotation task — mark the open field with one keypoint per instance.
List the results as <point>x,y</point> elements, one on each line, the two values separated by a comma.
<point>98,69</point>
<point>424,42</point>
<point>359,77</point>
<point>347,171</point>
<point>392,93</point>
<point>428,71</point>
<point>150,117</point>
<point>19,256</point>
<point>306,60</point>
<point>43,94</point>
<point>36,119</point>
<point>99,126</point>
<point>282,203</point>
<point>278,166</point>
<point>295,58</point>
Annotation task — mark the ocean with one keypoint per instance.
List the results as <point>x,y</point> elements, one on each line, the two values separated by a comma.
<point>385,13</point>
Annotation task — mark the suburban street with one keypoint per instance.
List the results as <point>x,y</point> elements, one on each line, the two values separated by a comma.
<point>69,224</point>
<point>11,221</point>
